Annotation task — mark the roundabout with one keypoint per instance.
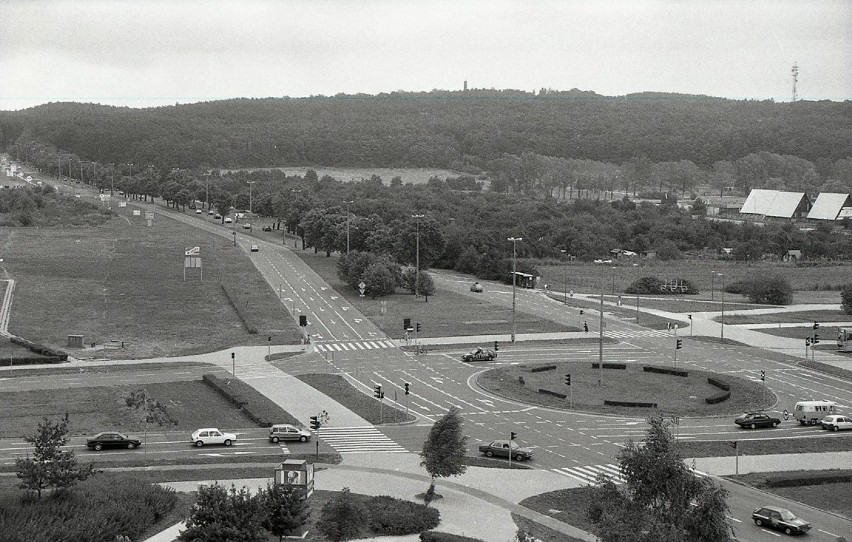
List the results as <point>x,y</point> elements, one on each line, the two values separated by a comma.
<point>637,390</point>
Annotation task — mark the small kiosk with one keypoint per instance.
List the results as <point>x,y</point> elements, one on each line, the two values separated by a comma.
<point>298,473</point>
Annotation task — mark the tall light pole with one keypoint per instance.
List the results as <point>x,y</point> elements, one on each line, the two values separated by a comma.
<point>417,260</point>
<point>514,241</point>
<point>112,180</point>
<point>601,324</point>
<point>207,190</point>
<point>347,225</point>
<point>250,183</point>
<point>565,280</point>
<point>722,336</point>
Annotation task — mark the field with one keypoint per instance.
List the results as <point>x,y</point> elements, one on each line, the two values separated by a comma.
<point>683,396</point>
<point>123,283</point>
<point>408,175</point>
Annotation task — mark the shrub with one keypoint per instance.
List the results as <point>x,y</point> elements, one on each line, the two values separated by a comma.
<point>390,516</point>
<point>432,536</point>
<point>718,383</point>
<point>236,302</point>
<point>543,368</point>
<point>718,398</point>
<point>259,408</point>
<point>39,348</point>
<point>553,393</point>
<point>655,286</point>
<point>630,404</point>
<point>663,370</point>
<point>610,365</point>
<point>814,479</point>
<point>846,299</point>
<point>771,291</point>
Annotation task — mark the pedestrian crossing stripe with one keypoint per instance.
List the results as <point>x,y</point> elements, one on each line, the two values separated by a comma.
<point>629,333</point>
<point>358,440</point>
<point>346,346</point>
<point>589,474</point>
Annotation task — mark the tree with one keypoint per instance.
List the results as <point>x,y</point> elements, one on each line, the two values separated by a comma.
<point>222,515</point>
<point>285,509</point>
<point>343,517</point>
<point>445,448</point>
<point>425,286</point>
<point>379,280</point>
<point>846,299</point>
<point>50,465</point>
<point>661,499</point>
<point>770,291</point>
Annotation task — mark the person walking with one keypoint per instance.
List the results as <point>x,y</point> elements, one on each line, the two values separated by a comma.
<point>586,327</point>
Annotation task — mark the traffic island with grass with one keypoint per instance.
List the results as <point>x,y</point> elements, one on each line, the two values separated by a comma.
<point>634,389</point>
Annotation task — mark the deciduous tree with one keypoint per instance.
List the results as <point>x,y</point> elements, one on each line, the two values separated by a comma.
<point>224,515</point>
<point>285,509</point>
<point>445,448</point>
<point>343,517</point>
<point>50,466</point>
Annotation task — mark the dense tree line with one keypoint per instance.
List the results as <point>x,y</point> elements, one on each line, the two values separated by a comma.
<point>457,130</point>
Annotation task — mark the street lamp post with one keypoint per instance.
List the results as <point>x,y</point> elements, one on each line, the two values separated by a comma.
<point>417,258</point>
<point>514,241</point>
<point>601,324</point>
<point>112,180</point>
<point>347,225</point>
<point>250,183</point>
<point>722,336</point>
<point>207,190</point>
<point>565,280</point>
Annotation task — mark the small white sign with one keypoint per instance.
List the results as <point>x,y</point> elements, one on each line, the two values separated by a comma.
<point>137,212</point>
<point>122,204</point>
<point>193,251</point>
<point>149,215</point>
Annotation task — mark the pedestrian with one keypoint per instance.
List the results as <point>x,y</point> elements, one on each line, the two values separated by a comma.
<point>586,327</point>
<point>669,327</point>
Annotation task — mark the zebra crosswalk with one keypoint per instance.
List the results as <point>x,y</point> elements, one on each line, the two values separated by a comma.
<point>355,345</point>
<point>358,440</point>
<point>632,333</point>
<point>589,474</point>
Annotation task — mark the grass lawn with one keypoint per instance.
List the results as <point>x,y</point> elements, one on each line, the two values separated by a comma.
<point>123,281</point>
<point>673,394</point>
<point>822,441</point>
<point>830,497</point>
<point>192,404</point>
<point>445,314</point>
<point>804,317</point>
<point>367,407</point>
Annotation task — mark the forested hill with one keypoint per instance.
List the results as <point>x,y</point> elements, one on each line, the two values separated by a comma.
<point>438,129</point>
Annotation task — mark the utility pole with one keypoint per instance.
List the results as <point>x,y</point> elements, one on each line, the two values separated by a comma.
<point>347,225</point>
<point>250,183</point>
<point>723,307</point>
<point>565,281</point>
<point>601,324</point>
<point>514,241</point>
<point>417,262</point>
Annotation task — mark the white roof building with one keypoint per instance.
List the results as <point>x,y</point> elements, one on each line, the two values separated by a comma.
<point>775,203</point>
<point>831,206</point>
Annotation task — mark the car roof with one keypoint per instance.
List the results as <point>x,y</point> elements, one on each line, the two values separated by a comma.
<point>206,429</point>
<point>774,509</point>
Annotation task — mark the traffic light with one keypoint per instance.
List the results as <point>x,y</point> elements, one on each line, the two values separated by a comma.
<point>816,325</point>
<point>418,327</point>
<point>496,346</point>
<point>679,344</point>
<point>378,393</point>
<point>581,312</point>
<point>815,339</point>
<point>406,387</point>
<point>303,320</point>
<point>807,341</point>
<point>568,380</point>
<point>406,323</point>
<point>315,424</point>
<point>763,376</point>
<point>690,316</point>
<point>513,435</point>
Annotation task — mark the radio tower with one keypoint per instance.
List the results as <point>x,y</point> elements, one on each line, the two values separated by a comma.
<point>795,72</point>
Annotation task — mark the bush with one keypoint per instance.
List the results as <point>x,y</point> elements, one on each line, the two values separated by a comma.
<point>663,370</point>
<point>610,365</point>
<point>814,479</point>
<point>390,516</point>
<point>655,286</point>
<point>236,302</point>
<point>719,384</point>
<point>33,360</point>
<point>764,290</point>
<point>846,299</point>
<point>39,348</point>
<point>553,393</point>
<point>630,404</point>
<point>259,408</point>
<point>543,368</point>
<point>718,398</point>
<point>107,504</point>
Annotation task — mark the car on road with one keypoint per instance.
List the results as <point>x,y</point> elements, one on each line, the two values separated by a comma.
<point>475,287</point>
<point>246,226</point>
<point>781,519</point>
<point>211,435</point>
<point>267,228</point>
<point>228,220</point>
<point>479,354</point>
<point>285,431</point>
<point>217,216</point>
<point>500,448</point>
<point>753,420</point>
<point>111,439</point>
<point>211,212</point>
<point>836,422</point>
<point>255,248</point>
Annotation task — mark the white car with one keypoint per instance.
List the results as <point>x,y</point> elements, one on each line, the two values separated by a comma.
<point>211,435</point>
<point>836,422</point>
<point>255,248</point>
<point>198,211</point>
<point>228,220</point>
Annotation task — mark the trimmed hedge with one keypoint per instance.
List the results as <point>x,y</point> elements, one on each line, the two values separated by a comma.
<point>553,393</point>
<point>610,365</point>
<point>259,408</point>
<point>39,348</point>
<point>235,302</point>
<point>718,399</point>
<point>390,516</point>
<point>432,536</point>
<point>543,368</point>
<point>630,404</point>
<point>31,361</point>
<point>816,479</point>
<point>663,370</point>
<point>719,384</point>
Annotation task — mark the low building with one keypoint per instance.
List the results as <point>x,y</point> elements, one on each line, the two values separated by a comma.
<point>776,204</point>
<point>831,206</point>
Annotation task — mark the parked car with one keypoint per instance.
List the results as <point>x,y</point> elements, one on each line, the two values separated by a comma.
<point>754,420</point>
<point>781,519</point>
<point>211,212</point>
<point>198,211</point>
<point>217,216</point>
<point>255,248</point>
<point>267,228</point>
<point>111,439</point>
<point>284,431</point>
<point>836,423</point>
<point>475,287</point>
<point>211,435</point>
<point>480,354</point>
<point>246,226</point>
<point>228,220</point>
<point>500,448</point>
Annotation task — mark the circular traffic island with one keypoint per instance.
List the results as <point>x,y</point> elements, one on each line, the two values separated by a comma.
<point>627,389</point>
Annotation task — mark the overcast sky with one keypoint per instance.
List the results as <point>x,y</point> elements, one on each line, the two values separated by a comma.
<point>149,52</point>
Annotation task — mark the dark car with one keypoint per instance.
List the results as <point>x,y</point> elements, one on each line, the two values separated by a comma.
<point>753,420</point>
<point>479,354</point>
<point>267,228</point>
<point>112,440</point>
<point>781,519</point>
<point>500,448</point>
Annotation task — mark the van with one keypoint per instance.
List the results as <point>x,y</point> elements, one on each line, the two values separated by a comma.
<point>811,412</point>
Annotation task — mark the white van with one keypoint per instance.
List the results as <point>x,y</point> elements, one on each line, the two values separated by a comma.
<point>811,412</point>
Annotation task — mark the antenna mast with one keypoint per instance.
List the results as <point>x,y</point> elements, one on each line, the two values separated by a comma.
<point>795,72</point>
